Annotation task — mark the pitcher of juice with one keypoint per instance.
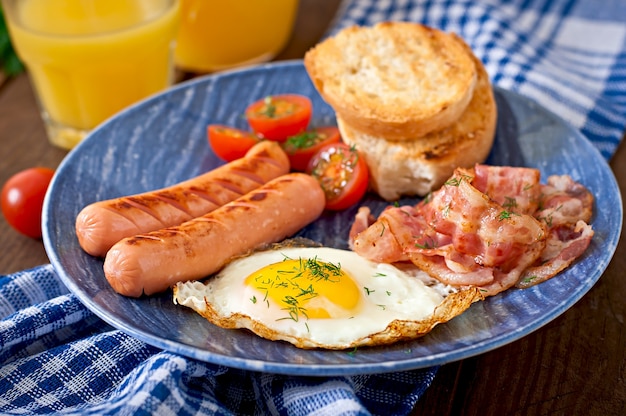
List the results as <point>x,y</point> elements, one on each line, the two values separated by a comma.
<point>220,34</point>
<point>88,59</point>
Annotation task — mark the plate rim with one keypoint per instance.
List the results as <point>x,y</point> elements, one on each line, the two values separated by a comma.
<point>294,368</point>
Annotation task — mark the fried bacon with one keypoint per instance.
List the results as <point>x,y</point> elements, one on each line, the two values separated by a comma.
<point>491,227</point>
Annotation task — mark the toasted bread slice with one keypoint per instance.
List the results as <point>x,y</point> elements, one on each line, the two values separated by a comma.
<point>395,79</point>
<point>421,165</point>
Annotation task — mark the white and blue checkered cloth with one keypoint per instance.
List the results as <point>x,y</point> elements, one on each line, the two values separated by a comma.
<point>568,55</point>
<point>56,357</point>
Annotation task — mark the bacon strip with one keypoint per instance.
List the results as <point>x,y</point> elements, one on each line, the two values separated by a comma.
<point>490,227</point>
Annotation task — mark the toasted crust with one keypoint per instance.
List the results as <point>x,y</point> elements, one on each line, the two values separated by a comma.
<point>421,165</point>
<point>395,79</point>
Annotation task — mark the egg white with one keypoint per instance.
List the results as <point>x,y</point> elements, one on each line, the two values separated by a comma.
<point>393,305</point>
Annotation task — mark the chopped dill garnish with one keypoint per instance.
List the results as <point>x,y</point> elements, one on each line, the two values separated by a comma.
<point>505,215</point>
<point>294,309</point>
<point>426,245</point>
<point>446,211</point>
<point>269,108</point>
<point>303,140</point>
<point>509,203</point>
<point>457,181</point>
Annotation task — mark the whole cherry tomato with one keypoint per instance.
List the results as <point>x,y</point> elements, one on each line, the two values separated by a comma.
<point>302,147</point>
<point>342,173</point>
<point>277,117</point>
<point>230,143</point>
<point>22,199</point>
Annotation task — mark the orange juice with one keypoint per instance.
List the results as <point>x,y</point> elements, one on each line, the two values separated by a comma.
<point>221,34</point>
<point>88,59</point>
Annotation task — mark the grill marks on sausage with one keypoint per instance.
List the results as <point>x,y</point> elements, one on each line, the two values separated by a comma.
<point>102,224</point>
<point>152,262</point>
<point>192,202</point>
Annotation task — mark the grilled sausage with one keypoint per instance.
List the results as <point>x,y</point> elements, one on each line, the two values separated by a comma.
<point>102,224</point>
<point>152,262</point>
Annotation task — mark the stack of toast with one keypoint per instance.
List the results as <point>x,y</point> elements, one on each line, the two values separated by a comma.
<point>414,100</point>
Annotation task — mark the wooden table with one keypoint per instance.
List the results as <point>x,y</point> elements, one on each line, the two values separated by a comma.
<point>576,365</point>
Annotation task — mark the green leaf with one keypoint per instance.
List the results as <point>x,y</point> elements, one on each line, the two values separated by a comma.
<point>9,62</point>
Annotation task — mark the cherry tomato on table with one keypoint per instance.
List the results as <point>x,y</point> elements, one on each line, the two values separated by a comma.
<point>277,117</point>
<point>230,143</point>
<point>342,173</point>
<point>22,199</point>
<point>302,147</point>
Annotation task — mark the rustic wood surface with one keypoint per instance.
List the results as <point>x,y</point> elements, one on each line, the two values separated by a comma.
<point>576,365</point>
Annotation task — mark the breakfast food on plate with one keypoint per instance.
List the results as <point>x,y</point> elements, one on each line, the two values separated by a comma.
<point>153,262</point>
<point>104,223</point>
<point>406,161</point>
<point>490,227</point>
<point>320,297</point>
<point>416,167</point>
<point>277,117</point>
<point>398,80</point>
<point>417,116</point>
<point>342,173</point>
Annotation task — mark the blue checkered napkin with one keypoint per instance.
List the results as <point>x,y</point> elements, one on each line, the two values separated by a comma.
<point>568,55</point>
<point>56,357</point>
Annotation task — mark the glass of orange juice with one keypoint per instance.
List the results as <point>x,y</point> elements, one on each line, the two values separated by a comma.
<point>222,34</point>
<point>88,59</point>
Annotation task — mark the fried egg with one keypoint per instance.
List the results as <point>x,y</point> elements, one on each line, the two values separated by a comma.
<point>320,297</point>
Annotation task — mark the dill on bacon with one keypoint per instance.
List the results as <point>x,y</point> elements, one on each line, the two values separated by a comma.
<point>529,279</point>
<point>456,181</point>
<point>446,211</point>
<point>509,203</point>
<point>505,215</point>
<point>428,244</point>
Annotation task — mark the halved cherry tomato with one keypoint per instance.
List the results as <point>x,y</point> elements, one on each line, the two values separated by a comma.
<point>277,117</point>
<point>302,147</point>
<point>22,199</point>
<point>230,143</point>
<point>343,174</point>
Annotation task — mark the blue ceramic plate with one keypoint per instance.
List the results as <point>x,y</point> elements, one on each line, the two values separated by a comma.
<point>162,140</point>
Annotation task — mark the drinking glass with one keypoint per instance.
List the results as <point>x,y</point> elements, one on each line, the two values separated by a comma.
<point>88,59</point>
<point>218,34</point>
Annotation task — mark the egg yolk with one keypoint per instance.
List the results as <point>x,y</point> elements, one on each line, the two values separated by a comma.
<point>307,288</point>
